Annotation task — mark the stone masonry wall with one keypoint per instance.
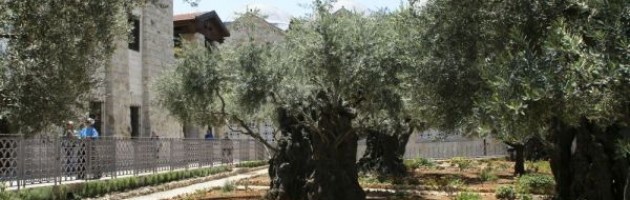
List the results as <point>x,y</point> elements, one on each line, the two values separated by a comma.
<point>158,55</point>
<point>129,77</point>
<point>117,93</point>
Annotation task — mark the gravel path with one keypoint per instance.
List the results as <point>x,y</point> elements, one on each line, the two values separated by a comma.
<point>199,186</point>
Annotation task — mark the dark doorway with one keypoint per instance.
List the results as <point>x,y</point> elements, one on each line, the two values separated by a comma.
<point>96,113</point>
<point>135,121</point>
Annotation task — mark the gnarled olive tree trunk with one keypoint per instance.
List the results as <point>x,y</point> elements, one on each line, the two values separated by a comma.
<point>291,166</point>
<point>585,161</point>
<point>316,164</point>
<point>384,153</point>
<point>519,158</point>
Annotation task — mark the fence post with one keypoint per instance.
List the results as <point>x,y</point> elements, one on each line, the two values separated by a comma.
<point>485,152</point>
<point>170,159</point>
<point>114,142</point>
<point>134,156</point>
<point>20,159</point>
<point>59,142</point>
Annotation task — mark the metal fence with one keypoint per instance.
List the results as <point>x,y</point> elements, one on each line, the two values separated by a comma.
<point>470,148</point>
<point>28,161</point>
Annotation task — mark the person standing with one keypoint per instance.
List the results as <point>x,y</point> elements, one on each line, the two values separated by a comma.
<point>89,135</point>
<point>68,142</point>
<point>157,145</point>
<point>208,135</point>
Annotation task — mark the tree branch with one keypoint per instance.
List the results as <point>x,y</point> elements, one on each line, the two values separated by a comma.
<point>250,132</point>
<point>222,102</point>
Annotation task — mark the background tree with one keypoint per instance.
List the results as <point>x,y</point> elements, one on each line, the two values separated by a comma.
<point>387,128</point>
<point>53,50</point>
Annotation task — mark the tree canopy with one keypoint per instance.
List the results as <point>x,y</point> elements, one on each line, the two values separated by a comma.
<point>54,49</point>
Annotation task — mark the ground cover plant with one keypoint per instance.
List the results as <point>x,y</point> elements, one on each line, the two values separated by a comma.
<point>101,187</point>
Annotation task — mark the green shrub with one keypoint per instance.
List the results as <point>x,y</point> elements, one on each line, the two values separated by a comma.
<point>101,187</point>
<point>536,184</point>
<point>418,162</point>
<point>369,179</point>
<point>468,196</point>
<point>505,193</point>
<point>41,193</point>
<point>461,163</point>
<point>4,194</point>
<point>525,197</point>
<point>538,167</point>
<point>503,166</point>
<point>229,186</point>
<point>251,164</point>
<point>487,174</point>
<point>451,185</point>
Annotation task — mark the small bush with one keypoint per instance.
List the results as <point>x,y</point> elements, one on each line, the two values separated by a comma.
<point>468,196</point>
<point>536,184</point>
<point>503,166</point>
<point>4,194</point>
<point>229,186</point>
<point>418,162</point>
<point>538,167</point>
<point>525,197</point>
<point>487,174</point>
<point>505,193</point>
<point>451,185</point>
<point>41,193</point>
<point>461,163</point>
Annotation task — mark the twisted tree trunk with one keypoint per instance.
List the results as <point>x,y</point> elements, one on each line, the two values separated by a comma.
<point>585,161</point>
<point>384,153</point>
<point>519,158</point>
<point>316,164</point>
<point>291,165</point>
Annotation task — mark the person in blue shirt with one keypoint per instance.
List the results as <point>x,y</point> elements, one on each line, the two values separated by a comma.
<point>89,131</point>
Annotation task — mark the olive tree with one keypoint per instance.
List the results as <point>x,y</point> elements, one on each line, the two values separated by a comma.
<point>529,67</point>
<point>321,85</point>
<point>53,48</point>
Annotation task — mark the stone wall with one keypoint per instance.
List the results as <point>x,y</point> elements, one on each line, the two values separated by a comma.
<point>129,77</point>
<point>158,55</point>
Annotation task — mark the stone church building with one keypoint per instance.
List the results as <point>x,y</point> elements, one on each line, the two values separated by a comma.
<point>124,105</point>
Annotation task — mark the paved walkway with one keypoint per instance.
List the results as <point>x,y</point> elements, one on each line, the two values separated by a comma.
<point>199,186</point>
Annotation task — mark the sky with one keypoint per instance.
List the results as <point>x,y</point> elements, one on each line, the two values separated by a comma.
<point>227,8</point>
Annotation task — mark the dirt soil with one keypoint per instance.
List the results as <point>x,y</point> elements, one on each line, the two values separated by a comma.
<point>233,195</point>
<point>432,183</point>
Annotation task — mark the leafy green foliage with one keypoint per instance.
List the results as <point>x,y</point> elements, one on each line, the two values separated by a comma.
<point>525,197</point>
<point>251,164</point>
<point>229,186</point>
<point>508,68</point>
<point>542,167</point>
<point>101,187</point>
<point>468,196</point>
<point>536,184</point>
<point>461,163</point>
<point>488,174</point>
<point>418,162</point>
<point>49,67</point>
<point>505,193</point>
<point>4,194</point>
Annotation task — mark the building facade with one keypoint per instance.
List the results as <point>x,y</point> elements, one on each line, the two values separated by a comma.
<point>124,104</point>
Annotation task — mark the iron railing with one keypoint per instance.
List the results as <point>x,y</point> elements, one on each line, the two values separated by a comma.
<point>469,148</point>
<point>30,161</point>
